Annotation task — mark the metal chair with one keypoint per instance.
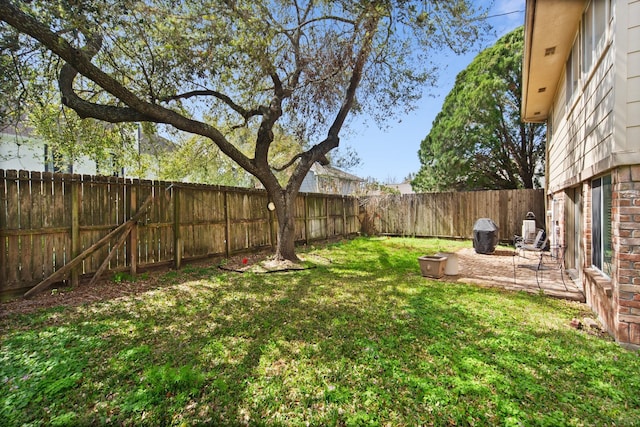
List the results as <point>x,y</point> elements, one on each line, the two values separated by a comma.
<point>538,246</point>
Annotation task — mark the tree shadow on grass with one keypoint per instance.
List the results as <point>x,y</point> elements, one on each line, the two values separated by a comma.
<point>366,341</point>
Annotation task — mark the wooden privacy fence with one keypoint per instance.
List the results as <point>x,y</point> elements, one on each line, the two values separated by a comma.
<point>62,225</point>
<point>47,220</point>
<point>451,215</point>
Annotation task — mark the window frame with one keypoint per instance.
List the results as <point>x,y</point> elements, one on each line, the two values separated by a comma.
<point>601,224</point>
<point>589,45</point>
<point>594,28</point>
<point>55,162</point>
<point>573,70</point>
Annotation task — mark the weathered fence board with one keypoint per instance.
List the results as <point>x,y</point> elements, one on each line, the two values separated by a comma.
<point>450,215</point>
<point>47,219</point>
<point>300,215</point>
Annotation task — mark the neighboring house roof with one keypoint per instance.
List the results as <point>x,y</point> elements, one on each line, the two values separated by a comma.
<point>330,171</point>
<point>403,187</point>
<point>327,179</point>
<point>19,129</point>
<point>155,144</point>
<point>550,27</point>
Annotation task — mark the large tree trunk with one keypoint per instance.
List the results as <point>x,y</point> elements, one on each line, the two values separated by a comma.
<point>285,247</point>
<point>134,108</point>
<point>284,203</point>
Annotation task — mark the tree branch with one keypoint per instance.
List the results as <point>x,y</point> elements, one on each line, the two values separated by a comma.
<point>139,109</point>
<point>58,45</point>
<point>246,114</point>
<point>321,18</point>
<point>365,50</point>
<point>86,109</point>
<point>288,164</point>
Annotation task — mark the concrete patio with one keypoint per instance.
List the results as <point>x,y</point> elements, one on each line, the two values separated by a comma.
<point>509,270</point>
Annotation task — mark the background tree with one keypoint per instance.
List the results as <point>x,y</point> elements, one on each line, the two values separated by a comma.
<point>297,63</point>
<point>31,103</point>
<point>196,161</point>
<point>13,78</point>
<point>9,86</point>
<point>478,141</point>
<point>69,139</point>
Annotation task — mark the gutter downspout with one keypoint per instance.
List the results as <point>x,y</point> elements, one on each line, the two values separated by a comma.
<point>529,20</point>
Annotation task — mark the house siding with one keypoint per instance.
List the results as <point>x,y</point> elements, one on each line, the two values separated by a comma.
<point>27,153</point>
<point>597,133</point>
<point>633,76</point>
<point>20,153</point>
<point>584,129</point>
<point>330,181</point>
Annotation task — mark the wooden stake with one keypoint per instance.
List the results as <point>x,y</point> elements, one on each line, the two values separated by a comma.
<point>77,260</point>
<point>114,250</point>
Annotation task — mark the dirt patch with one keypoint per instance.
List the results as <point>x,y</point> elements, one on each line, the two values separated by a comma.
<point>274,266</point>
<point>108,289</point>
<point>104,289</point>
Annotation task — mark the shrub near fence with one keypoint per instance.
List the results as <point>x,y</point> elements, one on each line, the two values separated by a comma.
<point>451,215</point>
<point>47,219</point>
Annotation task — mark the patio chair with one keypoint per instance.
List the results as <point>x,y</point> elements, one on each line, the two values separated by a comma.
<point>538,246</point>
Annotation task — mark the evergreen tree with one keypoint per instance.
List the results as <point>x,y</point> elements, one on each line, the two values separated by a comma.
<point>478,140</point>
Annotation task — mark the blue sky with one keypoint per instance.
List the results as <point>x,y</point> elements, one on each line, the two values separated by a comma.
<point>391,154</point>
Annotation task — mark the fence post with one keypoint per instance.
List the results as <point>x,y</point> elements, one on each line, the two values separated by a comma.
<point>415,216</point>
<point>227,225</point>
<point>177,238</point>
<point>272,231</point>
<point>344,218</point>
<point>306,219</point>
<point>132,244</point>
<point>3,226</point>
<point>75,225</point>
<point>328,217</point>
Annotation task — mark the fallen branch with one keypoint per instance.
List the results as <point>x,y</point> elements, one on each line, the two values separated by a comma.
<point>265,271</point>
<point>114,250</point>
<point>59,274</point>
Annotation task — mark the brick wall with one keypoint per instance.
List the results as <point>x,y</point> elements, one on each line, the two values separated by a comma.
<point>598,290</point>
<point>626,244</point>
<point>615,300</point>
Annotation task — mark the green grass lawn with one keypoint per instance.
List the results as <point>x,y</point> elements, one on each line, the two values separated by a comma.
<point>361,339</point>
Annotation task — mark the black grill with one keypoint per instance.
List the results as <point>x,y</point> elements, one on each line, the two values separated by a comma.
<point>485,236</point>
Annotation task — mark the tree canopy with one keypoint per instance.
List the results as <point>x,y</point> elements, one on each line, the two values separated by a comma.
<point>249,64</point>
<point>478,140</point>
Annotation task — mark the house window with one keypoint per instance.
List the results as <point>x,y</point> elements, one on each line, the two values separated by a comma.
<point>573,69</point>
<point>594,28</point>
<point>589,43</point>
<point>108,166</point>
<point>601,224</point>
<point>54,161</point>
